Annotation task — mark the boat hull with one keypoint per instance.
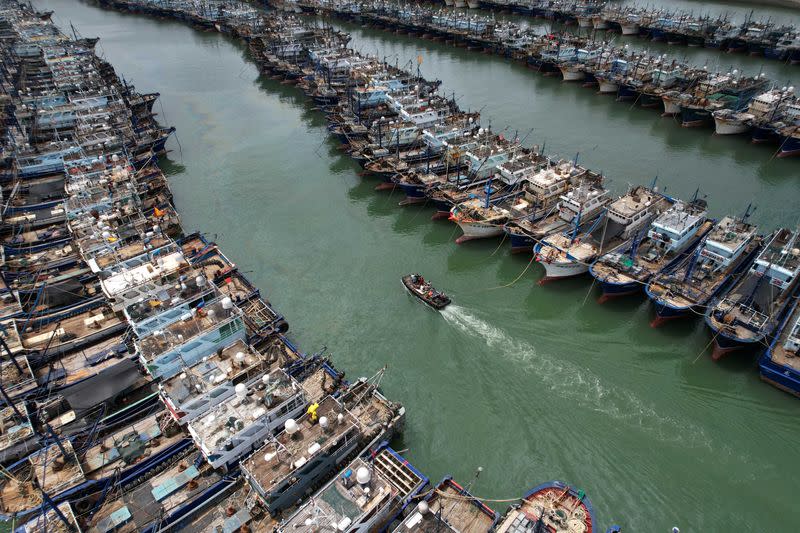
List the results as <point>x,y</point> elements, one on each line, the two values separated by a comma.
<point>730,127</point>
<point>608,87</point>
<point>695,118</point>
<point>477,230</point>
<point>555,270</point>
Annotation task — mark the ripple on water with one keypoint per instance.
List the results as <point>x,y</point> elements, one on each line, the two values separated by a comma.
<point>579,386</point>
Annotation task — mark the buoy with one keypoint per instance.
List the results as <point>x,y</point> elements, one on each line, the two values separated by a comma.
<point>323,422</point>
<point>423,507</point>
<point>291,426</point>
<point>227,303</point>
<point>240,390</point>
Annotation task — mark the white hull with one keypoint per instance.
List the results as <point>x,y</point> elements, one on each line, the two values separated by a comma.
<point>556,270</point>
<point>448,3</point>
<point>584,22</point>
<point>461,3</point>
<point>571,74</point>
<point>600,24</point>
<point>630,29</point>
<point>473,4</point>
<point>728,127</point>
<point>608,87</point>
<point>476,230</point>
<point>671,108</point>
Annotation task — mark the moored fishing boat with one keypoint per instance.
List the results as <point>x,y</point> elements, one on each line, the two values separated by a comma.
<point>671,236</point>
<point>584,202</point>
<point>555,507</point>
<point>376,488</point>
<point>747,314</point>
<point>311,449</point>
<point>722,255</point>
<point>571,253</point>
<point>780,363</point>
<point>449,507</point>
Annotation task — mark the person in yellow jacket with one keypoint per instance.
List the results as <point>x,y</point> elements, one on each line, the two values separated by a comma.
<point>312,411</point>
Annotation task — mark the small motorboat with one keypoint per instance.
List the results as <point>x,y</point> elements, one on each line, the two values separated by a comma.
<point>423,290</point>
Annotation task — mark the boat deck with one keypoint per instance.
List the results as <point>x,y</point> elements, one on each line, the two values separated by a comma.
<point>12,429</point>
<point>239,509</point>
<point>175,334</point>
<point>640,199</point>
<point>53,472</point>
<point>151,299</point>
<point>234,414</point>
<point>129,251</point>
<point>62,332</point>
<point>619,267</point>
<point>449,510</point>
<point>230,364</point>
<point>343,501</point>
<point>747,308</point>
<point>559,509</point>
<point>786,351</point>
<point>50,522</point>
<point>133,510</point>
<point>275,460</point>
<point>129,445</point>
<point>318,385</point>
<point>729,234</point>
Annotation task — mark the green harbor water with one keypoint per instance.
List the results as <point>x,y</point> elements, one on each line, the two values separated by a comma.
<point>531,383</point>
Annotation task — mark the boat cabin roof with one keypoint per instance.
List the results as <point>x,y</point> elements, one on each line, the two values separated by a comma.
<point>188,326</point>
<point>279,457</point>
<point>231,416</point>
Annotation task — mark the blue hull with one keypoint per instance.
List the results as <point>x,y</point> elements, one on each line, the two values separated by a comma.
<point>782,377</point>
<point>520,243</point>
<point>790,147</point>
<point>626,92</point>
<point>764,134</point>
<point>413,191</point>
<point>618,289</point>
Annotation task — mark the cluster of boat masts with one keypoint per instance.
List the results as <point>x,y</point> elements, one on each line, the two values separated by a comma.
<point>764,38</point>
<point>147,385</point>
<point>768,38</point>
<point>730,101</point>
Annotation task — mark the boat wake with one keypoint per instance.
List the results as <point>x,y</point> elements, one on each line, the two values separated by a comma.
<point>578,385</point>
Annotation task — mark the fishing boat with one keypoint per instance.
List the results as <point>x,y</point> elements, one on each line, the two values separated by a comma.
<point>571,253</point>
<point>732,122</point>
<point>213,379</point>
<point>671,236</point>
<point>421,289</point>
<point>780,363</point>
<point>723,254</point>
<point>729,91</point>
<point>310,449</point>
<point>747,314</point>
<point>367,495</point>
<point>536,186</point>
<point>554,507</point>
<point>584,202</point>
<point>235,426</point>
